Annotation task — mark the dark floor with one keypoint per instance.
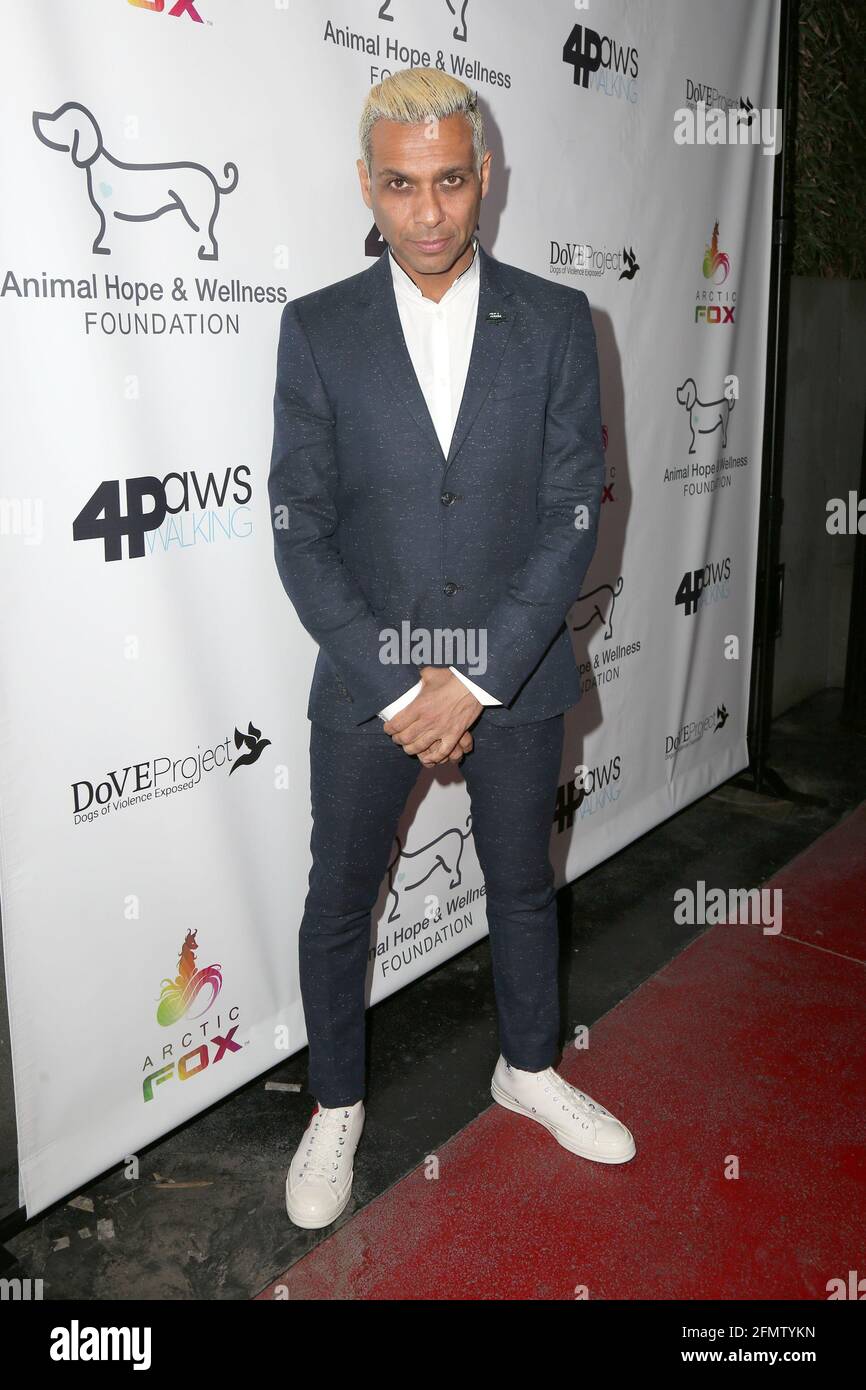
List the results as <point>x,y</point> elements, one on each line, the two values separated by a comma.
<point>208,1221</point>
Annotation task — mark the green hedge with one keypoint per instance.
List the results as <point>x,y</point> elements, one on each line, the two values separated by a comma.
<point>830,142</point>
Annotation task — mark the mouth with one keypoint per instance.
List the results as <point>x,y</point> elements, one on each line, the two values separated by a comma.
<point>431,247</point>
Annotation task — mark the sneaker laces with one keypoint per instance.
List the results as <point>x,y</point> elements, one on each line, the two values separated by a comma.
<point>325,1145</point>
<point>575,1098</point>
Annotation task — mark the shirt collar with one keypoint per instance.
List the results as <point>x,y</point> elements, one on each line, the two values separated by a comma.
<point>404,282</point>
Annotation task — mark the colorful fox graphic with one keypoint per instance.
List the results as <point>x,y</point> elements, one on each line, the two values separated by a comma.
<point>177,995</point>
<point>716,260</point>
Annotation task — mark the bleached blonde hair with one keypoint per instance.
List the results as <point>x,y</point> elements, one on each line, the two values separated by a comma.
<point>416,95</point>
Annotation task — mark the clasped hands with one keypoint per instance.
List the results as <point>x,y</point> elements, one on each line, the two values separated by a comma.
<point>435,725</point>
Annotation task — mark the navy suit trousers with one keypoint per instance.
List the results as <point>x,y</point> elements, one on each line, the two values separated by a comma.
<point>360,781</point>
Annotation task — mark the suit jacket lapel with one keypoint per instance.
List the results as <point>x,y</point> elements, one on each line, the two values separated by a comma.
<point>383,333</point>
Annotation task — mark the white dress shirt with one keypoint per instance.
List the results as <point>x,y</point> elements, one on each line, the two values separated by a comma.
<point>439,338</point>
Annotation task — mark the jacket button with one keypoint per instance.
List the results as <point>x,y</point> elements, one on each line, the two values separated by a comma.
<point>447,498</point>
<point>450,588</point>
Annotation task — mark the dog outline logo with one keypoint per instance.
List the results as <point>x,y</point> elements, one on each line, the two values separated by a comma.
<point>596,607</point>
<point>451,840</point>
<point>130,192</point>
<point>705,417</point>
<point>459,34</point>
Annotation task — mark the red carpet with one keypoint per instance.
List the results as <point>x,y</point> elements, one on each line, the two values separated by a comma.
<point>745,1045</point>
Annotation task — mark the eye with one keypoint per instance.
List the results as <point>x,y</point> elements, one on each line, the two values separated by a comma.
<point>391,182</point>
<point>458,177</point>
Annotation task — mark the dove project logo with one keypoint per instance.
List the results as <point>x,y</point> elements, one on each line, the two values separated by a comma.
<point>141,782</point>
<point>190,995</point>
<point>694,730</point>
<point>590,261</point>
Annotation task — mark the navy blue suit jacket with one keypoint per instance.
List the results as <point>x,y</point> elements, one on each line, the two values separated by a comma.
<point>374,526</point>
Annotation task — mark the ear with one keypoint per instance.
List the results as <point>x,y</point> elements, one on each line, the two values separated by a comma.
<point>485,172</point>
<point>364,180</point>
<point>85,143</point>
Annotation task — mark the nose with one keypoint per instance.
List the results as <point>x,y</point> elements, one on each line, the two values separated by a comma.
<point>428,212</point>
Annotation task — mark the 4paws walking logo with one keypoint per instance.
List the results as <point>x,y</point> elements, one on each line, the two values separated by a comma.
<point>162,775</point>
<point>700,588</point>
<point>602,64</point>
<point>190,995</point>
<point>184,510</point>
<point>590,790</point>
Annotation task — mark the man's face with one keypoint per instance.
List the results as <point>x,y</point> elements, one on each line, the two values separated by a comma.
<point>423,190</point>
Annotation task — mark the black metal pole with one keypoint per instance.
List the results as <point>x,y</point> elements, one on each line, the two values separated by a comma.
<point>759,776</point>
<point>854,702</point>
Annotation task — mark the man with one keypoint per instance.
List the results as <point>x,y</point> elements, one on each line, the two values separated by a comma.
<point>437,461</point>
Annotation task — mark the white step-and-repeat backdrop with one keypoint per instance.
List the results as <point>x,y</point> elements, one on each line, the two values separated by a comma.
<point>173,173</point>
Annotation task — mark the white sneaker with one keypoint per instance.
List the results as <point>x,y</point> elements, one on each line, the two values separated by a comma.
<point>575,1120</point>
<point>319,1181</point>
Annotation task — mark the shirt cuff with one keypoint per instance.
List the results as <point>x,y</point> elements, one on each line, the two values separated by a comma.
<point>476,689</point>
<point>390,710</point>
